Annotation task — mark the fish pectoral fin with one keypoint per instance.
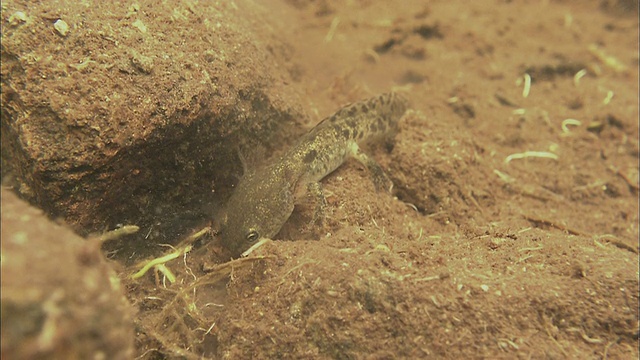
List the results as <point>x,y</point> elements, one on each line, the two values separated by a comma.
<point>314,190</point>
<point>310,206</point>
<point>312,196</point>
<point>380,179</point>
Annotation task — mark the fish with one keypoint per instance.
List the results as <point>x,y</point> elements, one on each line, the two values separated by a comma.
<point>265,199</point>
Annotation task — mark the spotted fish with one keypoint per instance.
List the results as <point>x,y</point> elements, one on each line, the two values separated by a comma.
<point>264,199</point>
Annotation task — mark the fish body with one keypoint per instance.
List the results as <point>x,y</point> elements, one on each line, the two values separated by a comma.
<point>264,199</point>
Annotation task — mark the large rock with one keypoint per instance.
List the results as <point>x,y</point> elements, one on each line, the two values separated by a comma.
<point>135,112</point>
<point>60,299</point>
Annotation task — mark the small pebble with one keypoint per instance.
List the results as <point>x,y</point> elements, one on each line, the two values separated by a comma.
<point>17,18</point>
<point>61,27</point>
<point>140,26</point>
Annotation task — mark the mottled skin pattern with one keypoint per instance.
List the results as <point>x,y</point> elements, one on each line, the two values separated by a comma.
<point>264,200</point>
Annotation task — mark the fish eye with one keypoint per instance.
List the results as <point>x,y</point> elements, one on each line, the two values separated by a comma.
<point>252,235</point>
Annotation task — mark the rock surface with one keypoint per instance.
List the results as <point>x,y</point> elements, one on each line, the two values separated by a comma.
<point>60,298</point>
<point>133,112</point>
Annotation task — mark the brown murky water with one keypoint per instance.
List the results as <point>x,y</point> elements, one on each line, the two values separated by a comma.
<point>512,230</point>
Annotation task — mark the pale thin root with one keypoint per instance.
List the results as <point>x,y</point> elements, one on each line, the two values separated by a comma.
<point>117,233</point>
<point>553,339</point>
<point>608,60</point>
<point>168,275</point>
<point>545,222</point>
<point>524,230</point>
<point>474,201</point>
<point>212,277</point>
<point>207,332</point>
<point>509,342</point>
<point>160,261</point>
<point>294,269</point>
<point>524,259</point>
<point>144,354</point>
<point>579,75</point>
<point>504,177</point>
<point>606,348</point>
<point>373,55</point>
<point>195,236</point>
<point>531,249</point>
<point>168,345</point>
<point>527,85</point>
<point>223,270</point>
<point>608,98</point>
<point>566,122</point>
<point>527,154</point>
<point>428,278</point>
<point>619,243</point>
<point>332,29</point>
<point>182,307</point>
<point>584,336</point>
<point>255,246</point>
<point>633,184</point>
<point>596,184</point>
<point>379,247</point>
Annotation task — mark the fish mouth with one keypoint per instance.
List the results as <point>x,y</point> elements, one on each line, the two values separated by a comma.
<point>234,247</point>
